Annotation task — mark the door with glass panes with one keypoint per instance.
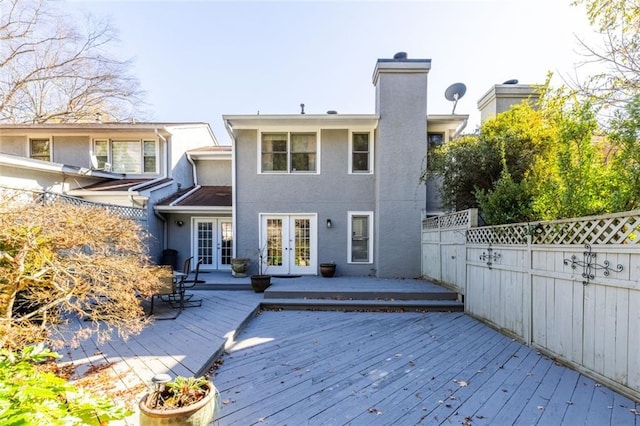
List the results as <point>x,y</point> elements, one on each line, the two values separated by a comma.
<point>212,242</point>
<point>289,244</point>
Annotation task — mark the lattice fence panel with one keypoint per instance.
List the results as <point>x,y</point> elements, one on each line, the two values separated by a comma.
<point>621,228</point>
<point>26,196</point>
<point>461,219</point>
<point>618,228</point>
<point>503,234</point>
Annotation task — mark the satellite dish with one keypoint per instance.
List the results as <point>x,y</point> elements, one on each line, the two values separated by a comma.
<point>512,81</point>
<point>454,93</point>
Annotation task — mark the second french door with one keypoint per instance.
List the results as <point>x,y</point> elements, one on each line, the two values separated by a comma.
<point>212,242</point>
<point>289,244</point>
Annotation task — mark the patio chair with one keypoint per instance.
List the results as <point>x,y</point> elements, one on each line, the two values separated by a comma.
<point>168,292</point>
<point>183,299</point>
<point>195,279</point>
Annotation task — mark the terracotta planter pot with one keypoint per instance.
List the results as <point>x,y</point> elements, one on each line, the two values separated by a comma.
<point>260,283</point>
<point>199,414</point>
<point>328,270</point>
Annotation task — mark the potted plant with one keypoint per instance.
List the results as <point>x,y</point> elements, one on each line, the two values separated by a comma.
<point>328,269</point>
<point>260,281</point>
<point>184,401</point>
<point>239,266</point>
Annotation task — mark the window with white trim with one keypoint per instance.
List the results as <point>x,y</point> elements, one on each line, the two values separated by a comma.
<point>288,152</point>
<point>101,152</point>
<point>132,156</point>
<point>360,245</point>
<point>40,149</point>
<point>360,160</point>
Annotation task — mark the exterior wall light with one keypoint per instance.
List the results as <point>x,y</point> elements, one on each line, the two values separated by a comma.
<point>179,222</point>
<point>329,224</point>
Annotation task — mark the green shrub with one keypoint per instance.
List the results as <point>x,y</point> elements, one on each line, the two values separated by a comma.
<point>32,396</point>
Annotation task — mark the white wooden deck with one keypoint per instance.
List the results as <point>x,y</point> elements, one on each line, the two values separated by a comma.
<point>336,368</point>
<point>314,367</point>
<point>183,346</point>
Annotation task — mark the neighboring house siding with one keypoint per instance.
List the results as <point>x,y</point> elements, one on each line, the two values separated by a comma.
<point>184,138</point>
<point>14,145</point>
<point>214,172</point>
<point>72,150</point>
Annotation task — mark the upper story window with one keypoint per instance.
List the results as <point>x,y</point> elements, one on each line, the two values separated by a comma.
<point>361,151</point>
<point>132,156</point>
<point>40,149</point>
<point>288,152</point>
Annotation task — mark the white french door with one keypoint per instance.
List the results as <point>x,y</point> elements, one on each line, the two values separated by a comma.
<point>212,242</point>
<point>289,244</point>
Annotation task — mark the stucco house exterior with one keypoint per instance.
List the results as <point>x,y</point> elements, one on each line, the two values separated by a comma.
<point>302,189</point>
<point>309,189</point>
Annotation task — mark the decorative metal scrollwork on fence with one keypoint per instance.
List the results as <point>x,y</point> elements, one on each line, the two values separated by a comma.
<point>589,265</point>
<point>490,257</point>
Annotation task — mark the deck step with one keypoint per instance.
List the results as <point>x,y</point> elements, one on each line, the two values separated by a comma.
<point>360,295</point>
<point>362,305</point>
<point>223,286</point>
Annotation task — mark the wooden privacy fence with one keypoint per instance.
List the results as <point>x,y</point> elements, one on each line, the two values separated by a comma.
<point>570,288</point>
<point>443,248</point>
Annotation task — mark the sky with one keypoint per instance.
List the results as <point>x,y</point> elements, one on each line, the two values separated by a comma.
<point>200,60</point>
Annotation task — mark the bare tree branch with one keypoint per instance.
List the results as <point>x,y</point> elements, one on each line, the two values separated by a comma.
<point>618,57</point>
<point>53,70</point>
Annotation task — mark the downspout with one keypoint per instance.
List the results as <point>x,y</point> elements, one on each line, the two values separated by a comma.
<point>193,168</point>
<point>168,174</point>
<point>234,203</point>
<point>460,128</point>
<point>168,171</point>
<point>165,239</point>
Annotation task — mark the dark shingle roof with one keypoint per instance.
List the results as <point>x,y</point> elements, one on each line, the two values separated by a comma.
<point>205,196</point>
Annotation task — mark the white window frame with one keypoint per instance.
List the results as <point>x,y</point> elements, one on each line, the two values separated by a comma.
<point>317,132</point>
<point>43,138</point>
<point>141,143</point>
<point>371,157</point>
<point>156,147</point>
<point>351,215</point>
